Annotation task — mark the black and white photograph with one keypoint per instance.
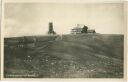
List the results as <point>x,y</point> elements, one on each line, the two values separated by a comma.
<point>63,40</point>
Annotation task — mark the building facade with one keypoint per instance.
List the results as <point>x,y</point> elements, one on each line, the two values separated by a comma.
<point>76,30</point>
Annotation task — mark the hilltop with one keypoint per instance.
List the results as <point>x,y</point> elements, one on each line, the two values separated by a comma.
<point>66,56</point>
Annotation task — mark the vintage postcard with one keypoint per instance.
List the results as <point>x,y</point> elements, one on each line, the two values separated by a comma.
<point>63,40</point>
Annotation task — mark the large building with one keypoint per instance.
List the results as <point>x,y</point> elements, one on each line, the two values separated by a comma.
<point>77,29</point>
<point>80,28</point>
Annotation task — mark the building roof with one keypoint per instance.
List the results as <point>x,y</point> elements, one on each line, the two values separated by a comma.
<point>80,25</point>
<point>91,30</point>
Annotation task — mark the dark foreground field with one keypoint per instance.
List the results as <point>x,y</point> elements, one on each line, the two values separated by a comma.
<point>67,56</point>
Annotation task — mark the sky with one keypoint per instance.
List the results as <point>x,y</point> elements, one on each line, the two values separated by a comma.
<point>26,19</point>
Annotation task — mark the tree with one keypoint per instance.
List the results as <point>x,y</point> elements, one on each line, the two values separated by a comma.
<point>84,29</point>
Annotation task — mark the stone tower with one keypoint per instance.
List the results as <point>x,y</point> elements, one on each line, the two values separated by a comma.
<point>51,30</point>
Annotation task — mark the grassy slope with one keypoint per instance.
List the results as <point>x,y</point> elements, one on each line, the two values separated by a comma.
<point>73,56</point>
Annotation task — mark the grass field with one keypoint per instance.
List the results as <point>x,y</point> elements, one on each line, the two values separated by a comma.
<point>67,56</point>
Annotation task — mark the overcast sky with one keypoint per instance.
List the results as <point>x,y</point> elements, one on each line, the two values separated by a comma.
<point>22,19</point>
